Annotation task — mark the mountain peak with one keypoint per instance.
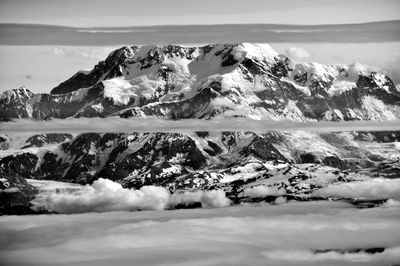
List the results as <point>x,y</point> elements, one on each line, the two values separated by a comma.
<point>135,59</point>
<point>247,79</point>
<point>16,94</point>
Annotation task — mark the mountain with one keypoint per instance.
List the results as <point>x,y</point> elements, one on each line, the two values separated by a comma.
<point>13,103</point>
<point>15,195</point>
<point>247,166</point>
<point>207,82</point>
<point>166,159</point>
<point>217,80</point>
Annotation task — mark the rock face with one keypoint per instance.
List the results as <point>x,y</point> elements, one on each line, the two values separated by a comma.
<point>13,104</point>
<point>228,80</point>
<point>46,139</point>
<point>15,194</point>
<point>249,167</point>
<point>138,158</point>
<point>200,159</point>
<point>107,69</point>
<point>212,81</point>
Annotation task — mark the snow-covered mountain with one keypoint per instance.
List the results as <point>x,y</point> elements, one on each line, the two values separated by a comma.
<point>212,81</point>
<point>217,80</point>
<point>167,159</point>
<point>247,166</point>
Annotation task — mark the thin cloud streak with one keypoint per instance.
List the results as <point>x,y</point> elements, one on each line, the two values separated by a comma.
<point>90,13</point>
<point>152,124</point>
<point>34,34</point>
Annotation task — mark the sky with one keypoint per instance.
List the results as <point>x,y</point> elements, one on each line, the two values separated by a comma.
<point>89,13</point>
<point>41,57</point>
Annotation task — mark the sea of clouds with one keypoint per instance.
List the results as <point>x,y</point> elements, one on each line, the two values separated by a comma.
<point>286,234</point>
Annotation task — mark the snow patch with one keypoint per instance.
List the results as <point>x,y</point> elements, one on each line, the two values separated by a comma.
<point>85,71</point>
<point>118,90</point>
<point>375,109</point>
<point>303,89</point>
<point>340,86</point>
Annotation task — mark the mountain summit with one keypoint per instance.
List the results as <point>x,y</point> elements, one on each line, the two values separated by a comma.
<point>228,80</point>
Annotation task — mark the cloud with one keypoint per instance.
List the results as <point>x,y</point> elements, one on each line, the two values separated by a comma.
<point>262,191</point>
<point>153,124</point>
<point>376,188</point>
<point>297,53</point>
<point>208,199</point>
<point>58,51</point>
<point>99,53</point>
<point>308,255</point>
<point>238,53</point>
<point>285,234</point>
<point>105,195</point>
<point>28,34</point>
<point>393,69</point>
<point>392,203</point>
<point>356,69</point>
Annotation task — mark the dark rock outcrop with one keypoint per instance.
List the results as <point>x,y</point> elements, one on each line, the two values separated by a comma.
<point>15,195</point>
<point>45,139</point>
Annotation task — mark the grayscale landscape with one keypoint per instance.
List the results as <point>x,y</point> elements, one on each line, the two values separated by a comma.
<point>200,133</point>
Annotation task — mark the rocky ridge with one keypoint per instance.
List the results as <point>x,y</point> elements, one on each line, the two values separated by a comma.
<point>216,80</point>
<point>201,159</point>
<point>207,82</point>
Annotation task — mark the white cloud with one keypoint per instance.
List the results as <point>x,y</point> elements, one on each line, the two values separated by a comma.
<point>297,53</point>
<point>153,124</point>
<point>392,203</point>
<point>214,198</point>
<point>105,195</point>
<point>307,255</point>
<point>285,234</point>
<point>376,188</point>
<point>58,51</point>
<point>99,53</point>
<point>262,191</point>
<point>238,52</point>
<point>393,69</point>
<point>280,200</point>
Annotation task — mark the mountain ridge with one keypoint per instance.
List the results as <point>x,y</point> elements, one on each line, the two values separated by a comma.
<point>295,163</point>
<point>218,80</point>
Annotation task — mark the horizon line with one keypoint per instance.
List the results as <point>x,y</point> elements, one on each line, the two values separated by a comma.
<point>199,25</point>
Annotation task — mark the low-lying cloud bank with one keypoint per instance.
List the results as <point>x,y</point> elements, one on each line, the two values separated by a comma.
<point>105,195</point>
<point>391,254</point>
<point>153,124</point>
<point>376,188</point>
<point>262,191</point>
<point>296,233</point>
